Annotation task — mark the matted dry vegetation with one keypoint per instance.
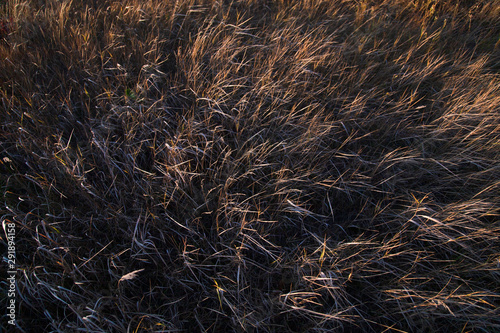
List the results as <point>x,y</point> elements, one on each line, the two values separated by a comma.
<point>252,166</point>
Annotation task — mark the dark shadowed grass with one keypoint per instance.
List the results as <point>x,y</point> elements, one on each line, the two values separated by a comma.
<point>252,166</point>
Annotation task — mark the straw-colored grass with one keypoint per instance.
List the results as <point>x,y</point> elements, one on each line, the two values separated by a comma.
<point>252,166</point>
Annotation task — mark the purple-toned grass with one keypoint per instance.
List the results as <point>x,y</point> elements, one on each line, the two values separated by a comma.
<point>252,166</point>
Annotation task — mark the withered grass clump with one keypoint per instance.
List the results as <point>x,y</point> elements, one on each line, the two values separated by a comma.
<point>252,166</point>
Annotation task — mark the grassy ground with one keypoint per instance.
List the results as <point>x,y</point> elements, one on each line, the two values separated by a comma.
<point>252,166</point>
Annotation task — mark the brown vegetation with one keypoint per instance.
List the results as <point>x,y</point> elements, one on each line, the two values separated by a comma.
<point>252,166</point>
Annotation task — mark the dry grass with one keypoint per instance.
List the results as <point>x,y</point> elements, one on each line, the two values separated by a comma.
<point>252,166</point>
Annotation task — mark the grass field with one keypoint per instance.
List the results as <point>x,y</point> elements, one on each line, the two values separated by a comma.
<point>251,166</point>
